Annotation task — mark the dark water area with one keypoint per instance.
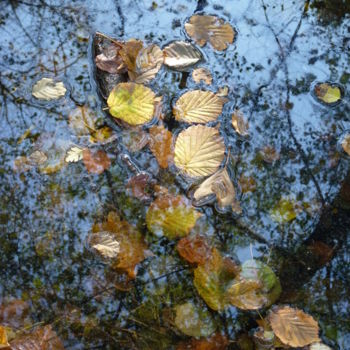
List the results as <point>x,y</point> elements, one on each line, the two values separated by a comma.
<point>295,217</point>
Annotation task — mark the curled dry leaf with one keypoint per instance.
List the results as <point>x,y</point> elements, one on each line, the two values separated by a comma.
<point>194,321</point>
<point>202,74</point>
<point>132,247</point>
<point>43,338</point>
<point>110,61</point>
<point>239,123</point>
<point>96,162</point>
<point>135,139</point>
<point>199,151</point>
<point>148,62</point>
<point>105,244</point>
<point>47,89</point>
<point>293,326</point>
<point>139,185</point>
<point>132,103</point>
<point>194,249</point>
<point>328,93</point>
<point>221,185</point>
<point>171,216</point>
<point>74,155</point>
<point>210,28</point>
<point>181,55</point>
<point>161,145</point>
<point>269,154</point>
<point>345,143</point>
<point>198,107</point>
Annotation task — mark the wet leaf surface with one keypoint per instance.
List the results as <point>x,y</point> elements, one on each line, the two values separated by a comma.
<point>47,89</point>
<point>194,249</point>
<point>161,145</point>
<point>328,93</point>
<point>95,161</point>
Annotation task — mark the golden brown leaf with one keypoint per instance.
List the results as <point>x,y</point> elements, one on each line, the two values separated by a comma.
<point>96,162</point>
<point>269,154</point>
<point>239,123</point>
<point>132,103</point>
<point>294,327</point>
<point>180,55</point>
<point>199,151</point>
<point>195,249</point>
<point>328,93</point>
<point>161,145</point>
<point>129,52</point>
<point>346,144</point>
<point>202,74</point>
<point>133,248</point>
<point>247,183</point>
<point>210,28</point>
<point>171,216</point>
<point>138,185</point>
<point>4,344</point>
<point>198,107</point>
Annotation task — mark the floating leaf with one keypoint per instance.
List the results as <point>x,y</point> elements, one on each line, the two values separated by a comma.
<point>105,243</point>
<point>285,210</point>
<point>74,155</point>
<point>210,28</point>
<point>180,55</point>
<point>319,346</point>
<point>211,280</point>
<point>202,74</point>
<point>43,338</point>
<point>195,249</point>
<point>294,327</point>
<point>199,151</point>
<point>198,107</point>
<point>47,89</point>
<point>161,145</point>
<point>269,154</point>
<point>3,338</point>
<point>96,162</point>
<point>345,143</point>
<point>132,103</point>
<point>221,185</point>
<point>133,248</point>
<point>148,62</point>
<point>239,123</point>
<point>256,286</point>
<point>328,93</point>
<point>110,61</point>
<point>194,321</point>
<point>139,185</point>
<point>171,216</point>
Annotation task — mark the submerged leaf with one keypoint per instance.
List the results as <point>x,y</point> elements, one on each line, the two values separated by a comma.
<point>194,321</point>
<point>132,103</point>
<point>181,55</point>
<point>171,216</point>
<point>247,183</point>
<point>202,74</point>
<point>256,286</point>
<point>47,89</point>
<point>294,327</point>
<point>135,139</point>
<point>239,123</point>
<point>82,120</point>
<point>195,249</point>
<point>132,247</point>
<point>105,243</point>
<point>199,151</point>
<point>198,107</point>
<point>269,154</point>
<point>328,93</point>
<point>215,342</point>
<point>74,155</point>
<point>210,28</point>
<point>161,145</point>
<point>284,211</point>
<point>96,162</point>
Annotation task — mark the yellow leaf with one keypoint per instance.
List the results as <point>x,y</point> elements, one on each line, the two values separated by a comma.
<point>3,338</point>
<point>198,107</point>
<point>171,216</point>
<point>105,243</point>
<point>328,93</point>
<point>202,74</point>
<point>47,89</point>
<point>199,151</point>
<point>148,62</point>
<point>239,123</point>
<point>285,210</point>
<point>210,28</point>
<point>346,144</point>
<point>132,103</point>
<point>294,327</point>
<point>74,155</point>
<point>180,55</point>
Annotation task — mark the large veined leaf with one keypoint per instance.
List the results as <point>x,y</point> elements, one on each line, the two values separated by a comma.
<point>256,286</point>
<point>210,28</point>
<point>194,321</point>
<point>181,55</point>
<point>198,107</point>
<point>293,326</point>
<point>171,216</point>
<point>199,151</point>
<point>132,103</point>
<point>47,89</point>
